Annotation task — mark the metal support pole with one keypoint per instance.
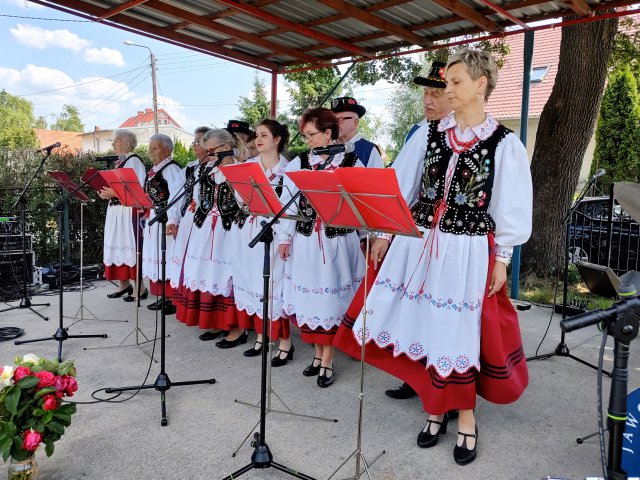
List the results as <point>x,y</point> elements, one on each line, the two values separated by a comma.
<point>274,94</point>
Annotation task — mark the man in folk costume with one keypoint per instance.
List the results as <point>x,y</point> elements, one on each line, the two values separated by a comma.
<point>161,184</point>
<point>241,129</point>
<point>436,106</point>
<point>349,113</point>
<point>122,232</point>
<point>438,315</point>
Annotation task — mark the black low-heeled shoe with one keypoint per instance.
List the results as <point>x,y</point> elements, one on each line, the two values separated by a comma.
<point>312,370</point>
<point>253,351</point>
<point>224,343</point>
<point>402,392</point>
<point>323,380</point>
<point>426,439</point>
<point>120,293</point>
<point>206,336</point>
<point>461,454</point>
<point>279,361</point>
<point>131,298</point>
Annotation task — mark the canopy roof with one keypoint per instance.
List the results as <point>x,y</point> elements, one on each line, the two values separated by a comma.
<point>279,35</point>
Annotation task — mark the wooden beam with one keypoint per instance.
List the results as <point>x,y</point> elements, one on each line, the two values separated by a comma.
<point>385,5</point>
<point>468,13</point>
<point>120,8</point>
<point>580,7</point>
<point>375,21</point>
<point>230,31</point>
<point>160,32</point>
<point>282,22</point>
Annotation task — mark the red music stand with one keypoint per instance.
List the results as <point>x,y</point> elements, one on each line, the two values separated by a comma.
<point>67,184</point>
<point>367,199</point>
<point>93,178</point>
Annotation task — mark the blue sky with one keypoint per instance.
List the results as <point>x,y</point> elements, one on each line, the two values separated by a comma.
<point>87,65</point>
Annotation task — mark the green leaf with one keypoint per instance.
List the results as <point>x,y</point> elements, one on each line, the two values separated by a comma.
<point>11,429</point>
<point>56,427</point>
<point>44,391</point>
<point>48,448</point>
<point>27,382</point>
<point>67,409</point>
<point>38,412</point>
<point>5,446</point>
<point>11,400</point>
<point>64,419</point>
<point>47,417</point>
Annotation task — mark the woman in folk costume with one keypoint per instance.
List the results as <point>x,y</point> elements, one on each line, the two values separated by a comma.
<point>122,224</point>
<point>271,140</point>
<point>162,184</point>
<point>184,212</point>
<point>324,265</point>
<point>205,293</point>
<point>438,314</point>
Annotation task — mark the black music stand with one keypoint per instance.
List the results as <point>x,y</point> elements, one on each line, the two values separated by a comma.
<point>264,202</point>
<point>66,184</point>
<point>369,201</point>
<point>21,202</point>
<point>162,383</point>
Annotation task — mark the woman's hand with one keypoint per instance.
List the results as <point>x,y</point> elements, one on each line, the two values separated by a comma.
<point>498,278</point>
<point>172,230</point>
<point>106,193</point>
<point>284,250</point>
<point>378,251</point>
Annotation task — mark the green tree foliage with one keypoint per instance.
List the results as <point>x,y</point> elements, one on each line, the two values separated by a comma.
<point>255,109</point>
<point>628,161</point>
<point>626,46</point>
<point>614,123</point>
<point>182,155</point>
<point>16,117</point>
<point>41,122</point>
<point>68,120</point>
<point>405,108</point>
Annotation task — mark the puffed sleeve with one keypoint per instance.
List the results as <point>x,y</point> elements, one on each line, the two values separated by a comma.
<point>285,229</point>
<point>512,194</point>
<point>138,167</point>
<point>174,176</point>
<point>409,162</point>
<point>375,160</point>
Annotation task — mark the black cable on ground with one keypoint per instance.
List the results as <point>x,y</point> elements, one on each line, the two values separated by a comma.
<point>10,333</point>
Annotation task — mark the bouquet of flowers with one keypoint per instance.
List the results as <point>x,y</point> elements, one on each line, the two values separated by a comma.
<point>31,408</point>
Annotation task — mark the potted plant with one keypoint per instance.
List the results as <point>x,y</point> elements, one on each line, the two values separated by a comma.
<point>32,410</point>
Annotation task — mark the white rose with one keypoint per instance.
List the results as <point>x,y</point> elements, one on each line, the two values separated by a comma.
<point>31,358</point>
<point>6,376</point>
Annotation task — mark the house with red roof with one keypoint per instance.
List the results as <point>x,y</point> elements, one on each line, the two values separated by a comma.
<point>141,124</point>
<point>506,100</point>
<point>71,141</point>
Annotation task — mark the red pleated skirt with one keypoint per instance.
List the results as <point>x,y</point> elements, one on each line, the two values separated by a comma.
<point>503,374</point>
<point>280,328</point>
<point>120,272</point>
<point>204,310</point>
<point>156,289</point>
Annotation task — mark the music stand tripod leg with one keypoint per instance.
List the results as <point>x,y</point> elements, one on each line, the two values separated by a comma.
<point>162,383</point>
<point>61,333</point>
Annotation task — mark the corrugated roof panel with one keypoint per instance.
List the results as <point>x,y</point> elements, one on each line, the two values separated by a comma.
<point>294,40</point>
<point>344,29</point>
<point>248,22</point>
<point>199,7</point>
<point>206,32</point>
<point>299,11</point>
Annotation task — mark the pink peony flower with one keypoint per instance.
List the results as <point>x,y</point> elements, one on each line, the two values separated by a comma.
<point>21,372</point>
<point>70,385</point>
<point>50,402</point>
<point>47,379</point>
<point>31,440</point>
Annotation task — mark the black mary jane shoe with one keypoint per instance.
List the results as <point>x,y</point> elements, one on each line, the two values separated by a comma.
<point>323,380</point>
<point>169,308</point>
<point>155,305</point>
<point>224,343</point>
<point>402,392</point>
<point>131,298</point>
<point>120,293</point>
<point>253,351</point>
<point>279,360</point>
<point>426,439</point>
<point>312,370</point>
<point>206,336</point>
<point>461,454</point>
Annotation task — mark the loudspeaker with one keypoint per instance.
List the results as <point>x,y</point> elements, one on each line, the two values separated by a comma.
<point>600,280</point>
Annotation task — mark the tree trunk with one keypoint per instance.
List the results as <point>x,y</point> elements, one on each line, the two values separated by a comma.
<point>566,126</point>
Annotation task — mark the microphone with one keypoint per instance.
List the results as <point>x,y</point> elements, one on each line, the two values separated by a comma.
<point>108,158</point>
<point>333,149</point>
<point>598,173</point>
<point>222,155</point>
<point>50,147</point>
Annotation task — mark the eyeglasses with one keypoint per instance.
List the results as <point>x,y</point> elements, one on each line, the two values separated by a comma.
<point>342,119</point>
<point>195,143</point>
<point>211,152</point>
<point>309,136</point>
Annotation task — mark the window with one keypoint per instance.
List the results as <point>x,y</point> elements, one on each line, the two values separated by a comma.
<point>538,74</point>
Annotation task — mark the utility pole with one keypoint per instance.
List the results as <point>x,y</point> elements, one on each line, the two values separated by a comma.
<point>153,80</point>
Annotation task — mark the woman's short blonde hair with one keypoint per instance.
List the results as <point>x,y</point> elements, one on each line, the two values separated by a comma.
<point>223,137</point>
<point>478,63</point>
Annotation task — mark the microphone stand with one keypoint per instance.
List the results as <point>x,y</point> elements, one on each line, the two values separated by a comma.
<point>61,333</point>
<point>562,349</point>
<point>163,383</point>
<point>621,322</point>
<point>25,301</point>
<point>262,456</point>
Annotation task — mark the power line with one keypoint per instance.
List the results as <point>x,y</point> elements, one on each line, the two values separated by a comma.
<point>48,19</point>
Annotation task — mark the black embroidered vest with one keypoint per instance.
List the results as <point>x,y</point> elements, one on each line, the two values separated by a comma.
<point>243,213</point>
<point>190,177</point>
<point>224,199</point>
<point>471,185</point>
<point>115,200</point>
<point>157,188</point>
<point>306,228</point>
